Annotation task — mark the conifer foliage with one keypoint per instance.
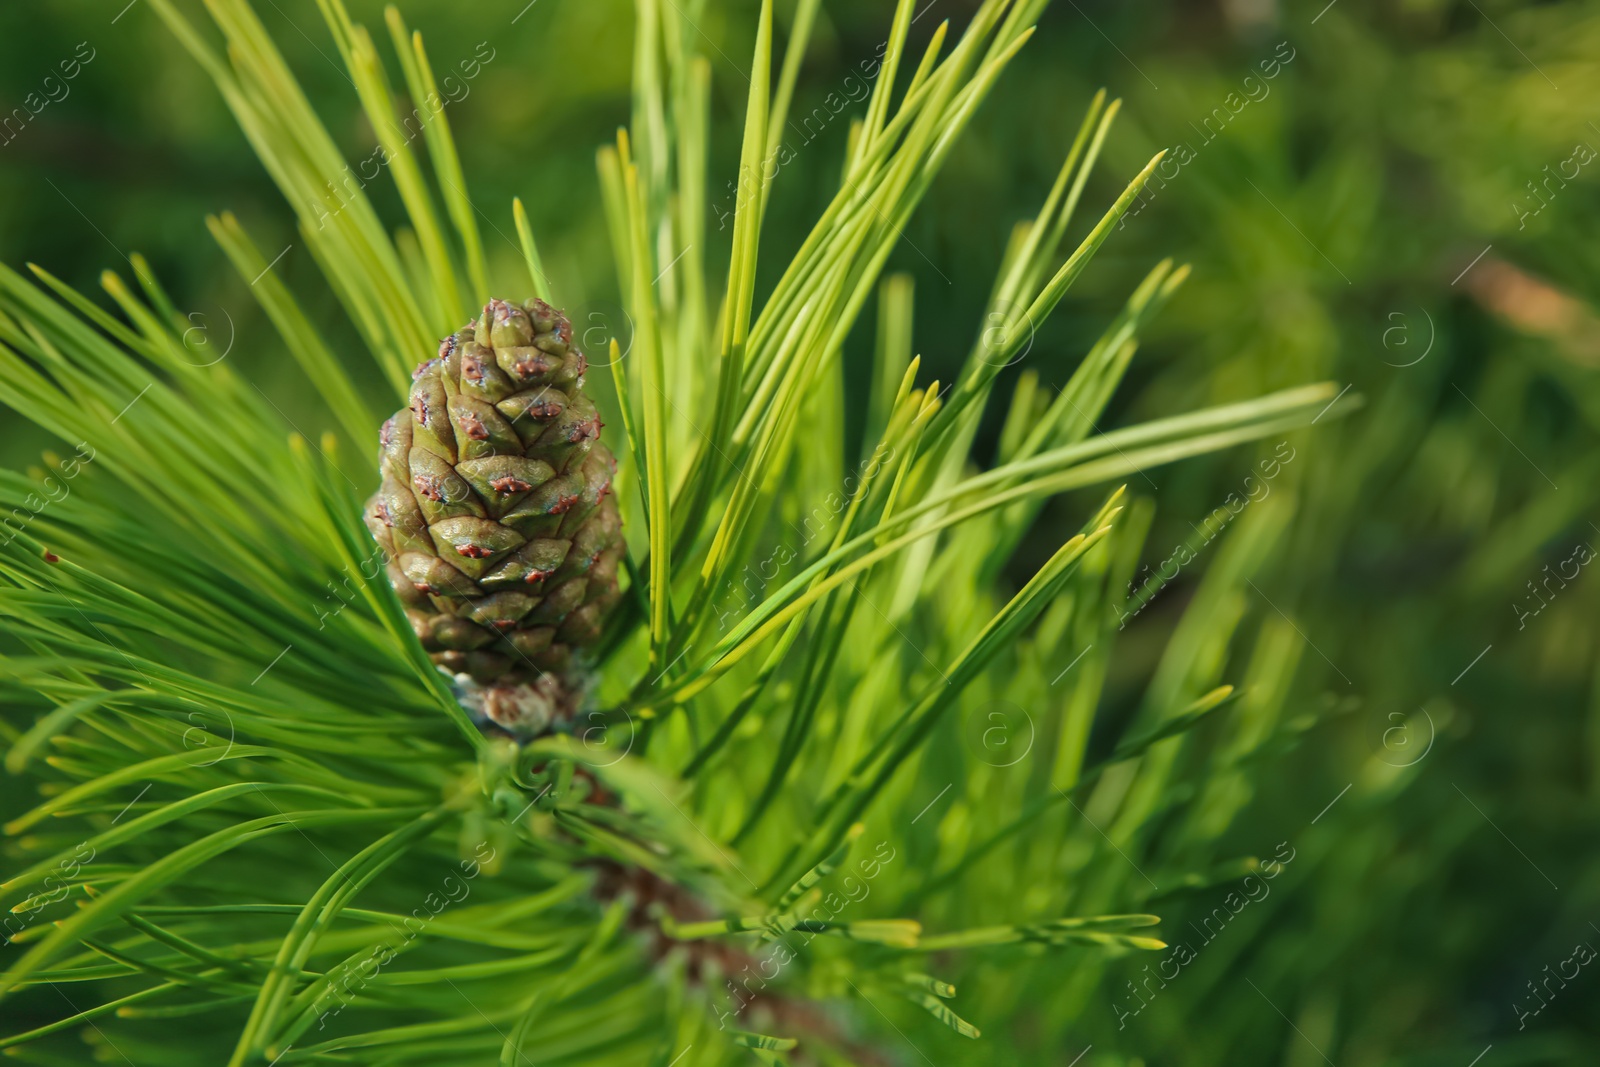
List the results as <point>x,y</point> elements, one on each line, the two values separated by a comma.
<point>787,822</point>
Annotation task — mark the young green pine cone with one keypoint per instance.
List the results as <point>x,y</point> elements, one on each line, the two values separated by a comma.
<point>496,514</point>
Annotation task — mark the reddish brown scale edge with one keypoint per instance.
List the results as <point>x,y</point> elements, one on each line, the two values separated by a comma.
<point>508,484</point>
<point>528,368</point>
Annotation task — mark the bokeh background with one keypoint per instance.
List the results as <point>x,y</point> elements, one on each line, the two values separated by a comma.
<point>1406,206</point>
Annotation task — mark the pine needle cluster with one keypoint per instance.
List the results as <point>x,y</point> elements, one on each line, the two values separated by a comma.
<point>795,816</point>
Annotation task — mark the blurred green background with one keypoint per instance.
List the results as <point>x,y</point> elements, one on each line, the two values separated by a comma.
<point>1401,207</point>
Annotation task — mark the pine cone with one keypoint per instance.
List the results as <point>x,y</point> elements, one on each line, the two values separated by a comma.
<point>496,515</point>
